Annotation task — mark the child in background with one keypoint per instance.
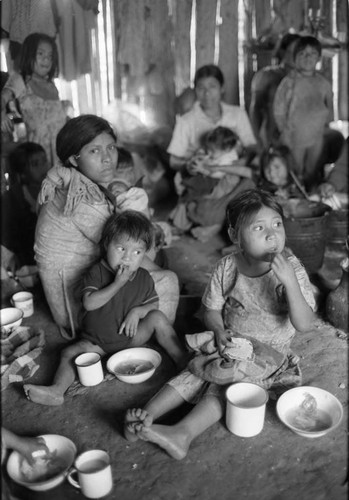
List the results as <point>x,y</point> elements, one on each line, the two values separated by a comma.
<point>120,303</point>
<point>36,93</point>
<point>303,108</point>
<point>275,174</point>
<point>259,292</point>
<point>27,166</point>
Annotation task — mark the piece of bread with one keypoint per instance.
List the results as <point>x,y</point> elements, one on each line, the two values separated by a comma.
<point>240,349</point>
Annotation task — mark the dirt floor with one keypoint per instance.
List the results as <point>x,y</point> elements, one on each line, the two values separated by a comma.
<point>274,465</point>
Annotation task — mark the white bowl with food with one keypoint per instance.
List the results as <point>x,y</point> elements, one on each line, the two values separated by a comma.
<point>309,411</point>
<point>48,470</point>
<point>10,317</point>
<point>134,365</point>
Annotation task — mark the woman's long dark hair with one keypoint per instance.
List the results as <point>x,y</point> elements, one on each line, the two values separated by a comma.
<point>28,55</point>
<point>78,132</point>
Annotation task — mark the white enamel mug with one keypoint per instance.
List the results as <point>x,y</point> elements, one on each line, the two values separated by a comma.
<point>89,368</point>
<point>25,302</point>
<point>94,474</point>
<point>246,404</point>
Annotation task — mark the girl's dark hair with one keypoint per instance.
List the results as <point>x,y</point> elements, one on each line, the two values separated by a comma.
<point>283,44</point>
<point>306,41</point>
<point>28,54</point>
<point>279,152</point>
<point>222,138</point>
<point>240,210</point>
<point>131,224</point>
<point>78,132</point>
<point>18,159</point>
<point>207,71</point>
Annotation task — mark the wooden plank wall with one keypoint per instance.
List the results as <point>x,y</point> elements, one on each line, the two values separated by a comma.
<point>228,50</point>
<point>205,31</point>
<point>153,44</point>
<point>342,28</point>
<point>181,47</point>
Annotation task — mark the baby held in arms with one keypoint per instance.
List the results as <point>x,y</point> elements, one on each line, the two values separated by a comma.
<point>221,154</point>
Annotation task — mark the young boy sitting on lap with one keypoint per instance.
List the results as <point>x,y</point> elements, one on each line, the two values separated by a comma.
<point>120,305</point>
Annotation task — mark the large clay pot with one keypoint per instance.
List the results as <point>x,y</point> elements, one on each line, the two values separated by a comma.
<point>337,303</point>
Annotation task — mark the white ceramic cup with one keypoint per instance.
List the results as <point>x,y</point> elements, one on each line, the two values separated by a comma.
<point>246,404</point>
<point>94,474</point>
<point>89,368</point>
<point>25,302</point>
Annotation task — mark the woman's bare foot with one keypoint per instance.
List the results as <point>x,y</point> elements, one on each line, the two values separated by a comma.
<point>43,395</point>
<point>168,438</point>
<point>135,419</point>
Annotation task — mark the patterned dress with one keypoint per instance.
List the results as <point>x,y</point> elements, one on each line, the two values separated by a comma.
<point>43,117</point>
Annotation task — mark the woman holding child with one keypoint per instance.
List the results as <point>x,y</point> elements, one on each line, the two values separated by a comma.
<point>74,206</point>
<point>207,113</point>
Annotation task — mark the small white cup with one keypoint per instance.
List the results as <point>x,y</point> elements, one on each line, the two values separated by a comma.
<point>25,302</point>
<point>246,404</point>
<point>94,474</point>
<point>89,368</point>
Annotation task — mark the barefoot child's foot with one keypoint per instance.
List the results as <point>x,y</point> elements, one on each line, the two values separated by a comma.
<point>174,443</point>
<point>43,395</point>
<point>135,419</point>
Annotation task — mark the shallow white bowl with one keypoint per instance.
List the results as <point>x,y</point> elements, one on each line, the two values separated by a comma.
<point>66,452</point>
<point>129,359</point>
<point>309,411</point>
<point>10,317</point>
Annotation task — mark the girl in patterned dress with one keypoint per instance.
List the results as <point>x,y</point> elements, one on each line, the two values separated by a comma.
<point>37,96</point>
<point>259,292</point>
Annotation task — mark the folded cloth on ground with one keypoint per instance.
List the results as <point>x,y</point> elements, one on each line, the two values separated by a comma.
<point>261,368</point>
<point>18,353</point>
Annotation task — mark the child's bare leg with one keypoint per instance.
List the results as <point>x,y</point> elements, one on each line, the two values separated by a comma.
<point>156,323</point>
<point>53,395</point>
<point>165,400</point>
<point>176,439</point>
